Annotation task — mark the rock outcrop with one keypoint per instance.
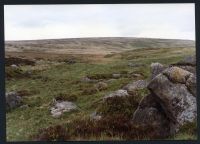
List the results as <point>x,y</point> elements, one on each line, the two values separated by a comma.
<point>140,84</point>
<point>188,64</point>
<point>170,89</point>
<point>172,102</point>
<point>61,107</point>
<point>118,93</point>
<point>13,100</point>
<point>156,68</point>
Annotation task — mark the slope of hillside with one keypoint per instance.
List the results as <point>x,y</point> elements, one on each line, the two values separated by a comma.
<point>83,72</point>
<point>94,45</point>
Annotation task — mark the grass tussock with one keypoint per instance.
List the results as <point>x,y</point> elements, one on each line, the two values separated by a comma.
<point>119,105</point>
<point>52,133</point>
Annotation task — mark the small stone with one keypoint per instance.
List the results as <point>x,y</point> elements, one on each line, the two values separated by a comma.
<point>116,75</point>
<point>118,93</point>
<point>62,106</point>
<point>140,84</point>
<point>101,86</point>
<point>95,116</point>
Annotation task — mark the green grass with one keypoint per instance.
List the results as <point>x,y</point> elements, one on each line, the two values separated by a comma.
<point>64,79</point>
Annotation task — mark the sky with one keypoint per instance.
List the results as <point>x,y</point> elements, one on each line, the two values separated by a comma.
<point>31,22</point>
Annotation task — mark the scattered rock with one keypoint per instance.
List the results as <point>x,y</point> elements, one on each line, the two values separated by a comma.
<point>111,80</point>
<point>140,84</point>
<point>13,100</point>
<point>24,106</point>
<point>62,106</point>
<point>116,75</point>
<point>95,116</point>
<point>88,80</point>
<point>188,60</point>
<point>135,75</point>
<point>156,68</point>
<point>101,86</point>
<point>14,66</point>
<point>118,93</point>
<point>188,64</point>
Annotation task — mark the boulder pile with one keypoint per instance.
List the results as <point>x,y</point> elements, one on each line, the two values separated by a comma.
<point>172,99</point>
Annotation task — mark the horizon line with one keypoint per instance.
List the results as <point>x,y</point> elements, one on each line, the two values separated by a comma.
<point>99,37</point>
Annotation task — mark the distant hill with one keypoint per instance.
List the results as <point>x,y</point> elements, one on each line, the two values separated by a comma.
<point>95,45</point>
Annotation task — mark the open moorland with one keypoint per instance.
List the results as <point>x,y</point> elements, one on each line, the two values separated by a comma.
<point>83,89</point>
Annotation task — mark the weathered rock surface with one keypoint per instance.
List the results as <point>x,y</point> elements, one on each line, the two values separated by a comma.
<point>177,102</point>
<point>188,64</point>
<point>172,102</point>
<point>156,68</point>
<point>118,93</point>
<point>95,116</point>
<point>149,113</point>
<point>135,75</point>
<point>176,74</point>
<point>13,100</point>
<point>140,84</point>
<point>116,75</point>
<point>191,84</point>
<point>62,106</point>
<point>101,86</point>
<point>189,60</point>
<point>14,66</point>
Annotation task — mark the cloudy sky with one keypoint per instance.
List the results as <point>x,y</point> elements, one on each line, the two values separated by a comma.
<point>27,22</point>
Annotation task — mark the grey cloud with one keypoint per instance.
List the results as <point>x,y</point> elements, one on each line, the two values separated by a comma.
<point>115,20</point>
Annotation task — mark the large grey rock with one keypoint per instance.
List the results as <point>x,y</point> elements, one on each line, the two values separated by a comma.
<point>191,84</point>
<point>170,90</point>
<point>171,103</point>
<point>140,84</point>
<point>61,107</point>
<point>13,100</point>
<point>156,68</point>
<point>176,74</point>
<point>188,60</point>
<point>189,68</point>
<point>188,64</point>
<point>150,114</point>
